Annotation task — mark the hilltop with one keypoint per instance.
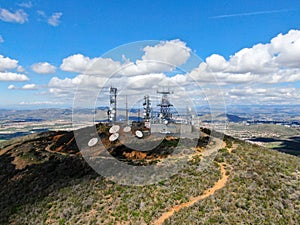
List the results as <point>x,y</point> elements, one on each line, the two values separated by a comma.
<point>45,180</point>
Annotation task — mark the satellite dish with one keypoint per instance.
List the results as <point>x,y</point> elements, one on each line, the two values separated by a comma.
<point>114,129</point>
<point>92,142</point>
<point>139,134</point>
<point>127,129</point>
<point>113,137</point>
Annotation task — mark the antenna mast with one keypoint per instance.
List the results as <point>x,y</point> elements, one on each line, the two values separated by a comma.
<point>113,104</point>
<point>165,112</point>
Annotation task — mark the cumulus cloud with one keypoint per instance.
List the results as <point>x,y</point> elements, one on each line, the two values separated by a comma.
<point>64,83</point>
<point>7,63</point>
<point>87,87</point>
<point>43,68</point>
<point>276,62</point>
<point>144,82</point>
<point>25,87</point>
<point>29,87</point>
<point>79,63</point>
<point>255,60</point>
<point>163,57</point>
<point>18,16</point>
<point>11,87</point>
<point>54,19</point>
<point>273,62</point>
<point>174,52</point>
<point>76,63</point>
<point>9,76</point>
<point>286,48</point>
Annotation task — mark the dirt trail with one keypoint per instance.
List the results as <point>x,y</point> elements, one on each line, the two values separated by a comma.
<point>218,185</point>
<point>234,146</point>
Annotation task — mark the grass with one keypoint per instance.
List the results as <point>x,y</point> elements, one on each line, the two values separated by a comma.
<point>263,188</point>
<point>116,203</point>
<point>275,144</point>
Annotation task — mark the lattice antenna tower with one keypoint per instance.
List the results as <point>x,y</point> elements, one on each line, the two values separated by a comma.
<point>113,104</point>
<point>165,106</point>
<point>147,108</point>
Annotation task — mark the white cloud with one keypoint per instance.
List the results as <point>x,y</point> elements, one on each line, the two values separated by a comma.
<point>243,66</point>
<point>286,47</point>
<point>25,4</point>
<point>64,83</point>
<point>18,16</point>
<point>216,63</point>
<point>1,39</point>
<point>255,60</point>
<point>41,103</point>
<point>271,63</point>
<point>54,19</point>
<point>163,57</point>
<point>81,64</point>
<point>76,63</point>
<point>90,85</point>
<point>7,63</point>
<point>29,87</point>
<point>174,52</point>
<point>20,69</point>
<point>9,76</point>
<point>65,89</point>
<point>11,87</point>
<point>263,95</point>
<point>145,67</point>
<point>43,68</point>
<point>25,87</point>
<point>274,62</point>
<point>144,82</point>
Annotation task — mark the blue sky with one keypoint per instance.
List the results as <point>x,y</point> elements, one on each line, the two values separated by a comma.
<point>44,33</point>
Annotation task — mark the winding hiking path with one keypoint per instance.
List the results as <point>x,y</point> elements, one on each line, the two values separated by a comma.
<point>218,185</point>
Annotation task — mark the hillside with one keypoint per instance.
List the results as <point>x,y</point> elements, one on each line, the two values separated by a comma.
<point>44,180</point>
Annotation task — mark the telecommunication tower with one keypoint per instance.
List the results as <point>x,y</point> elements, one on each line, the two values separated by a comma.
<point>147,108</point>
<point>165,112</point>
<point>113,104</point>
